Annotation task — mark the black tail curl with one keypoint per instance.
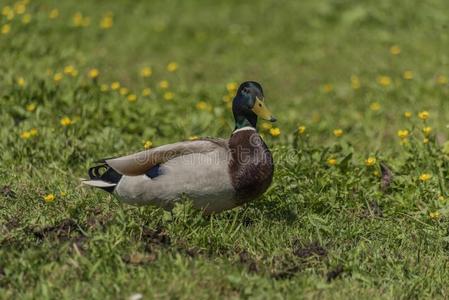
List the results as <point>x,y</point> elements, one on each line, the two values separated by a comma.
<point>105,173</point>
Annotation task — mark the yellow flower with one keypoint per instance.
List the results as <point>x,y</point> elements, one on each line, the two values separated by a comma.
<point>424,115</point>
<point>408,75</point>
<point>403,134</point>
<point>49,198</point>
<point>327,88</point>
<point>408,114</point>
<point>164,84</point>
<point>427,130</point>
<point>172,67</point>
<point>201,105</point>
<point>6,28</point>
<point>168,96</point>
<point>331,161</point>
<point>147,144</point>
<point>70,70</point>
<point>395,50</point>
<point>146,72</point>
<point>115,85</point>
<point>93,73</point>
<point>338,132</point>
<point>425,176</point>
<point>26,18</point>
<point>146,92</point>
<point>106,22</point>
<point>66,121</point>
<point>266,126</point>
<point>21,81</point>
<point>193,137</point>
<point>104,87</point>
<point>63,194</point>
<point>231,87</point>
<point>123,91</point>
<point>20,8</point>
<point>80,21</point>
<point>33,131</point>
<point>442,80</point>
<point>434,215</point>
<point>25,135</point>
<point>227,98</point>
<point>375,106</point>
<point>54,13</point>
<point>131,98</point>
<point>275,132</point>
<point>301,129</point>
<point>384,80</point>
<point>57,77</point>
<point>31,107</point>
<point>425,141</point>
<point>355,82</point>
<point>370,161</point>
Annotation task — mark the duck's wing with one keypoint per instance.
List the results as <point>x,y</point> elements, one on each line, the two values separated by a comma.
<point>139,163</point>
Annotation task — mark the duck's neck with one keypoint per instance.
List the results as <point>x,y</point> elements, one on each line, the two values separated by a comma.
<point>243,121</point>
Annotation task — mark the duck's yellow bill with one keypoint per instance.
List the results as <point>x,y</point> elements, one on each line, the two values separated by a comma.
<point>262,111</point>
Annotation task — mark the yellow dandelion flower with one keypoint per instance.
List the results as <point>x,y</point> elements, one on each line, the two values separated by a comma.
<point>25,135</point>
<point>442,79</point>
<point>375,106</point>
<point>106,22</point>
<point>70,70</point>
<point>115,85</point>
<point>327,88</point>
<point>331,161</point>
<point>266,126</point>
<point>164,84</point>
<point>376,173</point>
<point>20,8</point>
<point>355,82</point>
<point>49,198</point>
<point>384,80</point>
<point>423,115</point>
<point>275,131</point>
<point>131,98</point>
<point>403,134</point>
<point>193,137</point>
<point>21,82</point>
<point>408,114</point>
<point>6,28</point>
<point>123,91</point>
<point>408,75</point>
<point>66,121</point>
<point>147,144</point>
<point>370,161</point>
<point>425,177</point>
<point>172,67</point>
<point>6,10</point>
<point>77,19</point>
<point>231,87</point>
<point>202,105</point>
<point>93,73</point>
<point>227,98</point>
<point>301,129</point>
<point>168,96</point>
<point>104,87</point>
<point>425,141</point>
<point>434,215</point>
<point>54,13</point>
<point>57,77</point>
<point>395,50</point>
<point>31,107</point>
<point>146,72</point>
<point>146,92</point>
<point>427,130</point>
<point>33,131</point>
<point>338,132</point>
<point>26,18</point>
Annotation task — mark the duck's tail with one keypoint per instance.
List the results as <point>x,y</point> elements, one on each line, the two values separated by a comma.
<point>104,177</point>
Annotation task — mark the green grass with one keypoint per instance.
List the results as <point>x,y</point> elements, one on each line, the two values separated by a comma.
<point>321,231</point>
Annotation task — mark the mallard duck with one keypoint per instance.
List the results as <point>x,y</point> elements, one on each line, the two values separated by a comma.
<point>216,174</point>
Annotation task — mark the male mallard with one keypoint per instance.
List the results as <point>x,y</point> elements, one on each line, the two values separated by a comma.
<point>216,174</point>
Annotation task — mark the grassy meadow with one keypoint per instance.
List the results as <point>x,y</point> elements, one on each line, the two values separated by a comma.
<point>359,205</point>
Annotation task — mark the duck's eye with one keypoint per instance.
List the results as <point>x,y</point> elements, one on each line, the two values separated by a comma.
<point>260,105</point>
<point>245,90</point>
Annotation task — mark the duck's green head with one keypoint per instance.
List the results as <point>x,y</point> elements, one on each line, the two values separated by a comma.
<point>249,104</point>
